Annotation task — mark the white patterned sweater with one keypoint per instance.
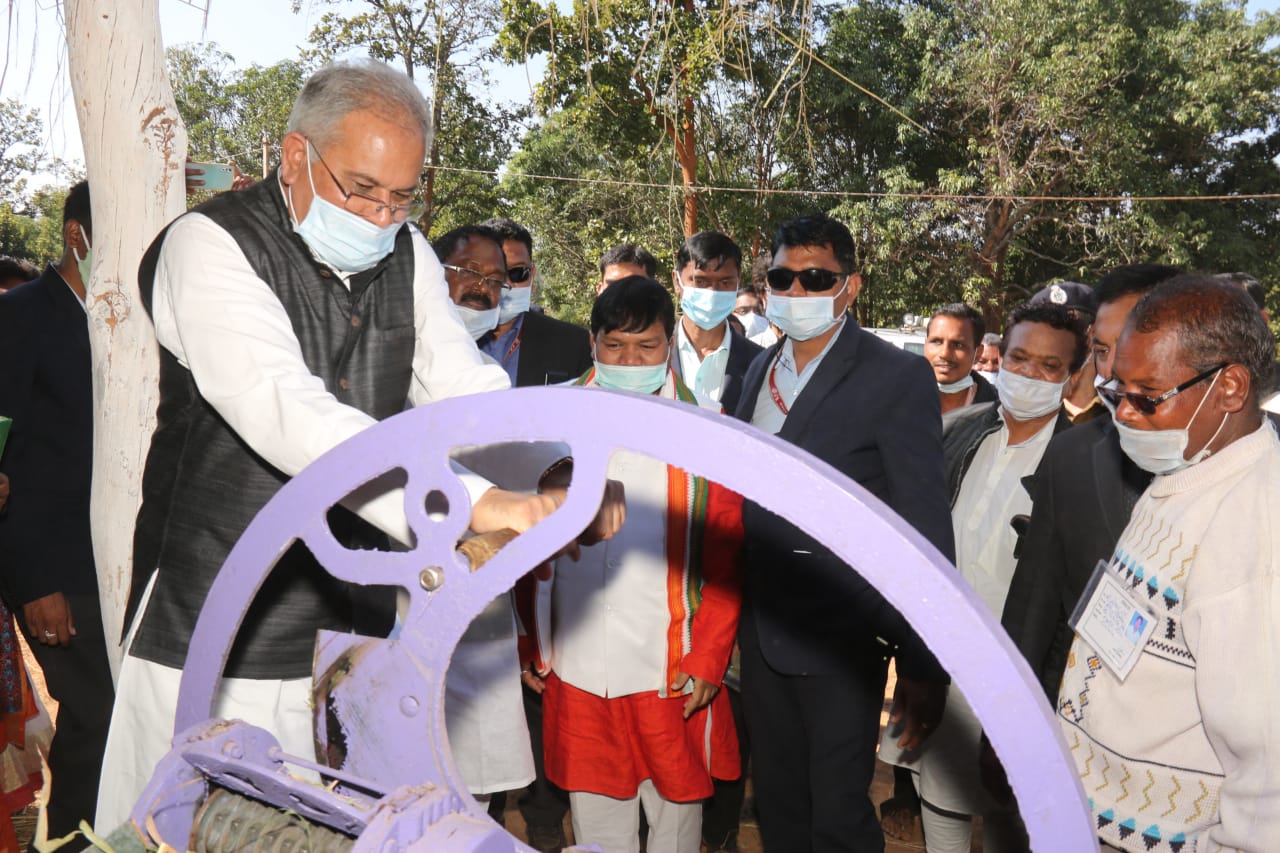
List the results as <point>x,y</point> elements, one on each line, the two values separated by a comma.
<point>1184,755</point>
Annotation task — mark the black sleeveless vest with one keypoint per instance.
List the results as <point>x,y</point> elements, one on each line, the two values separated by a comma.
<point>202,484</point>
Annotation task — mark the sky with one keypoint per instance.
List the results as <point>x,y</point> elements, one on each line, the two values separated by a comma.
<point>260,32</point>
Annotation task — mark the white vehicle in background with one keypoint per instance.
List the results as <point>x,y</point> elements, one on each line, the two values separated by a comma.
<point>910,336</point>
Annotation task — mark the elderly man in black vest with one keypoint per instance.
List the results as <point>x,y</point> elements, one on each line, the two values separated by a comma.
<point>291,316</point>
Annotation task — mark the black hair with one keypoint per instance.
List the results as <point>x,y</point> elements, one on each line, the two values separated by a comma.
<point>16,270</point>
<point>77,207</point>
<point>1251,286</point>
<point>508,229</point>
<point>452,241</point>
<point>961,311</point>
<point>1213,321</point>
<point>632,304</point>
<point>818,230</point>
<point>1056,316</point>
<point>708,249</point>
<point>1131,278</point>
<point>630,253</point>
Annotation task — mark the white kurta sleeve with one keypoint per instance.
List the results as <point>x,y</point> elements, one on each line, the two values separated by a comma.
<point>228,328</point>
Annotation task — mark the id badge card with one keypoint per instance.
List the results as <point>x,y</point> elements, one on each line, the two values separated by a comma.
<point>1111,620</point>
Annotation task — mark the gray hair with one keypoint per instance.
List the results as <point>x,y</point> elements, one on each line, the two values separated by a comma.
<point>343,87</point>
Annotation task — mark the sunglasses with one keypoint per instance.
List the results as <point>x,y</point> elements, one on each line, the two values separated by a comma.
<point>812,280</point>
<point>519,275</point>
<point>1147,405</point>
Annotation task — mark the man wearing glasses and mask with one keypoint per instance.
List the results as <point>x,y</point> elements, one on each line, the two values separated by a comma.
<point>1185,714</point>
<point>290,316</point>
<point>533,348</point>
<point>814,635</point>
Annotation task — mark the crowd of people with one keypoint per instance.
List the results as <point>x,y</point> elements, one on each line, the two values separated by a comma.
<point>1102,473</point>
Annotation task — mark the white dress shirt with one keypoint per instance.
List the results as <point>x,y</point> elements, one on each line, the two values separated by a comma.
<point>704,374</point>
<point>225,324</point>
<point>767,415</point>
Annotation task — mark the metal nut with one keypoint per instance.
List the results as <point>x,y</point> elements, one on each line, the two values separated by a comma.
<point>431,578</point>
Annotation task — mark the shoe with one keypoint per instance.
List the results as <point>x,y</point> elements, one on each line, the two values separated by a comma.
<point>547,839</point>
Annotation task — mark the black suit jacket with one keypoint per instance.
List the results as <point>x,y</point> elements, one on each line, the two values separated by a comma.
<point>872,411</point>
<point>742,353</point>
<point>551,351</point>
<point>46,387</point>
<point>1082,496</point>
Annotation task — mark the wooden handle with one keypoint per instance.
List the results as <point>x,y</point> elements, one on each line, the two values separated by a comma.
<point>480,549</point>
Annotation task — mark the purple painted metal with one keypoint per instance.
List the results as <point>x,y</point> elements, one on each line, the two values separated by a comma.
<point>910,573</point>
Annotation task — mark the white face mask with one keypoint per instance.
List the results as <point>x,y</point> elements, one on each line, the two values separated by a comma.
<point>803,318</point>
<point>1024,398</point>
<point>1163,451</point>
<point>753,323</point>
<point>515,301</point>
<point>478,322</point>
<point>956,387</point>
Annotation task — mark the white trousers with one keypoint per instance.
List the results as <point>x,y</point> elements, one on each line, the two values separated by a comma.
<point>614,824</point>
<point>143,716</point>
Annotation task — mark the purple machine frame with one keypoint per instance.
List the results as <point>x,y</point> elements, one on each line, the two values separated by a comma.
<point>398,787</point>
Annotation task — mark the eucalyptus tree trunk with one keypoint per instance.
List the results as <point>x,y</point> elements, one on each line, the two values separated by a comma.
<point>135,147</point>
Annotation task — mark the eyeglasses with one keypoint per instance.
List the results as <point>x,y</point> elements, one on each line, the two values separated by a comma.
<point>519,275</point>
<point>490,281</point>
<point>367,206</point>
<point>812,280</point>
<point>1147,405</point>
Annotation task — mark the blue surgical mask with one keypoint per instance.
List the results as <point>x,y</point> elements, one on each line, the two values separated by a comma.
<point>638,378</point>
<point>478,322</point>
<point>707,308</point>
<point>515,301</point>
<point>338,237</point>
<point>802,318</point>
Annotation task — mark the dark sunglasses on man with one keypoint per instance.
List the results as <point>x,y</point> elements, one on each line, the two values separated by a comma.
<point>814,280</point>
<point>1147,405</point>
<point>519,275</point>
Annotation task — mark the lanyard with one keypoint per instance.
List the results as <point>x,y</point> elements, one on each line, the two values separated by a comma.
<point>515,344</point>
<point>773,389</point>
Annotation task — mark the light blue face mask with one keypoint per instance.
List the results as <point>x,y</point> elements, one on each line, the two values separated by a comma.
<point>515,301</point>
<point>803,318</point>
<point>338,237</point>
<point>707,308</point>
<point>638,378</point>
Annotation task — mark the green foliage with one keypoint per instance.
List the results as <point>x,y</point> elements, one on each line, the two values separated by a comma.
<point>21,138</point>
<point>228,111</point>
<point>446,41</point>
<point>36,233</point>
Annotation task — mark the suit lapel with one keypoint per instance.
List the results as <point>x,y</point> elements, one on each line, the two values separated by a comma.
<point>1109,484</point>
<point>67,309</point>
<point>752,381</point>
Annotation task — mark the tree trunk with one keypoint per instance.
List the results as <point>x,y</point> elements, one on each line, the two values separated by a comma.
<point>135,146</point>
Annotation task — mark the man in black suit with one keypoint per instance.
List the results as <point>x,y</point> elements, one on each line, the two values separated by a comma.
<point>1082,495</point>
<point>533,348</point>
<point>709,355</point>
<point>815,635</point>
<point>46,556</point>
